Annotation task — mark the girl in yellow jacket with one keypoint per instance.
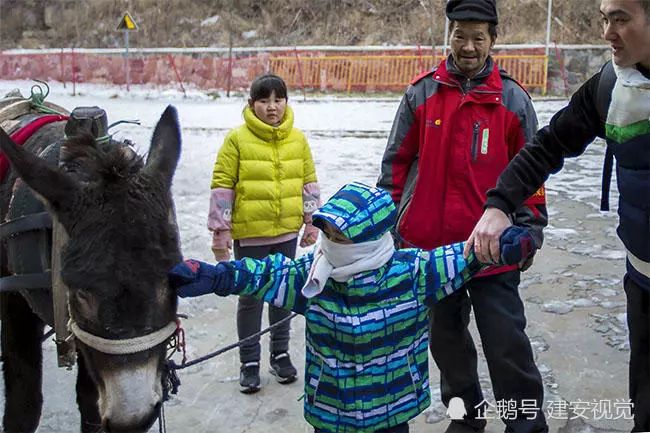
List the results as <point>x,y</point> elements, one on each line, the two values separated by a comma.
<point>264,189</point>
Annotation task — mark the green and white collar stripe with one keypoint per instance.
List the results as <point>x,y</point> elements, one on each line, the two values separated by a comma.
<point>629,112</point>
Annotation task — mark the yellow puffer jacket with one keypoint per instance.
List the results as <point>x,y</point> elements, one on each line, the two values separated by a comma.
<point>267,167</point>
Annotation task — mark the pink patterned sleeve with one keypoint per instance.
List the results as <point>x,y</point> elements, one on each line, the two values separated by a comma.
<point>221,201</point>
<point>310,200</point>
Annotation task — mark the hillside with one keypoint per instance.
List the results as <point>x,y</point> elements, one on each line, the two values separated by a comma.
<point>199,23</point>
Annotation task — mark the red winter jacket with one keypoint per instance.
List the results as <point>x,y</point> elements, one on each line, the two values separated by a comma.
<point>450,140</point>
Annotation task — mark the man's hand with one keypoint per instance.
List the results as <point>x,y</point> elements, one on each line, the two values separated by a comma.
<point>485,236</point>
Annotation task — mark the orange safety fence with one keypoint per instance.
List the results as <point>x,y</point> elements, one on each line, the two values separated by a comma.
<point>388,73</point>
<point>301,69</point>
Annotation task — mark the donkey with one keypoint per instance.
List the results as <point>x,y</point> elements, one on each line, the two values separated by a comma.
<point>119,217</point>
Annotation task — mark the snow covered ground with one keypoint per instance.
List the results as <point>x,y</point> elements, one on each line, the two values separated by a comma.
<point>573,293</point>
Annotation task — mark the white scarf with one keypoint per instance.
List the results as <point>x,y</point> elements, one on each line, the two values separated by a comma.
<point>342,261</point>
<point>630,102</point>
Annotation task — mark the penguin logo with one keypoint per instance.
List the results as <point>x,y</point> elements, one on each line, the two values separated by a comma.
<point>456,409</point>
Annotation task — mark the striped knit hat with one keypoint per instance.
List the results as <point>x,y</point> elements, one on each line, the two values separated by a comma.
<point>361,212</point>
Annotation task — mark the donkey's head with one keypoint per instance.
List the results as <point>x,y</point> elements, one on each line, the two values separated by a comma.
<point>119,217</point>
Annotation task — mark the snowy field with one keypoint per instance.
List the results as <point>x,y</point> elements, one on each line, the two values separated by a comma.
<point>573,295</point>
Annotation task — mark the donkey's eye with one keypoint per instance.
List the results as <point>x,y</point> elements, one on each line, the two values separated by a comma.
<point>83,300</point>
<point>71,166</point>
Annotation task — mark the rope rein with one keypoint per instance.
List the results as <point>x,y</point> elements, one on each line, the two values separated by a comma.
<point>37,97</point>
<point>171,382</point>
<point>170,379</point>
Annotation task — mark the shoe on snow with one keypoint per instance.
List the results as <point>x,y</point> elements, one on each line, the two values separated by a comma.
<point>282,368</point>
<point>249,378</point>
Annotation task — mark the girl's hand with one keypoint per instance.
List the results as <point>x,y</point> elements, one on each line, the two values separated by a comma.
<point>309,236</point>
<point>221,254</point>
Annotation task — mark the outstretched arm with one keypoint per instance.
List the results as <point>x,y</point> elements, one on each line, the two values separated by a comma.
<point>447,269</point>
<point>276,279</point>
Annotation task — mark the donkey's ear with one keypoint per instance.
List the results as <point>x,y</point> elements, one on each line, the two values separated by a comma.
<point>165,146</point>
<point>53,185</point>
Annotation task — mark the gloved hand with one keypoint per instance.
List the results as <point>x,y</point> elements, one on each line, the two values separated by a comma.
<point>309,235</point>
<point>194,278</point>
<point>516,245</point>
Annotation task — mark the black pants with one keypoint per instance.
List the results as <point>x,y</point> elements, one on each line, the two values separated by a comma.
<point>400,428</point>
<point>249,309</point>
<point>501,324</point>
<point>638,323</point>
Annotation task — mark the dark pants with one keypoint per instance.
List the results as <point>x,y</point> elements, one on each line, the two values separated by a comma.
<point>638,323</point>
<point>249,309</point>
<point>500,320</point>
<point>400,428</point>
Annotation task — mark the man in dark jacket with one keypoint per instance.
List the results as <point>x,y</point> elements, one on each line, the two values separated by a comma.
<point>614,104</point>
<point>456,129</point>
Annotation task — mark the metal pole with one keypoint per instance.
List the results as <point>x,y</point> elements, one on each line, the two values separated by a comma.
<point>229,78</point>
<point>548,26</point>
<point>445,43</point>
<point>126,59</point>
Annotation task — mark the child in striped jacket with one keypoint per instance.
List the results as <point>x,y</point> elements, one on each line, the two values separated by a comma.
<point>365,305</point>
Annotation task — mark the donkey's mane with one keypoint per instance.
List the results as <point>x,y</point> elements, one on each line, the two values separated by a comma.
<point>111,161</point>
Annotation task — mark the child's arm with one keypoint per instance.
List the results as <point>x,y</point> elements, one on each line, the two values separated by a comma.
<point>310,197</point>
<point>310,203</point>
<point>446,270</point>
<point>219,221</point>
<point>222,196</point>
<point>276,279</point>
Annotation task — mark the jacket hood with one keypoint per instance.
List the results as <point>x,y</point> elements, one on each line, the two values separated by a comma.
<point>265,131</point>
<point>361,212</point>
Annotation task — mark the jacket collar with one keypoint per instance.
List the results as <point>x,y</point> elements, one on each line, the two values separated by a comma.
<point>265,131</point>
<point>489,79</point>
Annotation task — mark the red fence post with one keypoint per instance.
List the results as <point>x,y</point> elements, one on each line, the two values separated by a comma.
<point>61,75</point>
<point>178,76</point>
<point>560,60</point>
<point>74,73</point>
<point>302,80</point>
<point>420,60</point>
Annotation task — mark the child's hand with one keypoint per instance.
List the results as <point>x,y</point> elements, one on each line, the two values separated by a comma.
<point>193,278</point>
<point>221,245</point>
<point>516,245</point>
<point>309,235</point>
<point>221,254</point>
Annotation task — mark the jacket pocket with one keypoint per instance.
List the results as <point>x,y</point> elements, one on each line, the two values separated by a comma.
<point>313,378</point>
<point>416,375</point>
<point>474,148</point>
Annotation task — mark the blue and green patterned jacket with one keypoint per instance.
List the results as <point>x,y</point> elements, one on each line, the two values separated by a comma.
<point>366,339</point>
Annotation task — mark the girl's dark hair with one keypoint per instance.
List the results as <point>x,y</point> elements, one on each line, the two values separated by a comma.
<point>264,85</point>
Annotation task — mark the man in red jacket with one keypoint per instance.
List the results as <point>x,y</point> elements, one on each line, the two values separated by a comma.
<point>456,129</point>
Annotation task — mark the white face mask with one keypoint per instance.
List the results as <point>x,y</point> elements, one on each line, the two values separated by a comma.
<point>343,261</point>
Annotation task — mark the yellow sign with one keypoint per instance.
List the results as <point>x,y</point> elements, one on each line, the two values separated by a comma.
<point>127,23</point>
